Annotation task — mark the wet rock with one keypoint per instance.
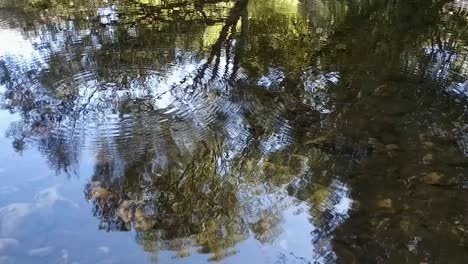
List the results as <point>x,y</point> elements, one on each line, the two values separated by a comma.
<point>40,252</point>
<point>8,243</point>
<point>433,178</point>
<point>385,203</point>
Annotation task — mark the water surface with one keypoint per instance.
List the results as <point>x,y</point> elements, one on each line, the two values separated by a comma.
<point>248,131</point>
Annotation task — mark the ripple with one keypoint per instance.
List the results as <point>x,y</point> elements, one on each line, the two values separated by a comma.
<point>124,108</point>
<point>128,116</point>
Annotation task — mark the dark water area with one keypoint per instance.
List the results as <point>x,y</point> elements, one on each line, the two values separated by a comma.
<point>248,131</point>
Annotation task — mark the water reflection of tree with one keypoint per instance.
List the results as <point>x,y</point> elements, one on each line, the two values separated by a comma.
<point>188,204</point>
<point>175,190</point>
<point>362,94</point>
<point>60,104</point>
<point>191,203</point>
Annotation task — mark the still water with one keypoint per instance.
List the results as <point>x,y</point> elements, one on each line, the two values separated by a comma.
<point>247,131</point>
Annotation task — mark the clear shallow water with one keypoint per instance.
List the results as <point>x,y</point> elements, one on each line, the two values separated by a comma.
<point>239,132</point>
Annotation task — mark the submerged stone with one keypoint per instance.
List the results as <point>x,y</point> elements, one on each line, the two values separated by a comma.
<point>427,158</point>
<point>385,90</point>
<point>428,144</point>
<point>392,147</point>
<point>385,203</point>
<point>432,178</point>
<point>318,140</point>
